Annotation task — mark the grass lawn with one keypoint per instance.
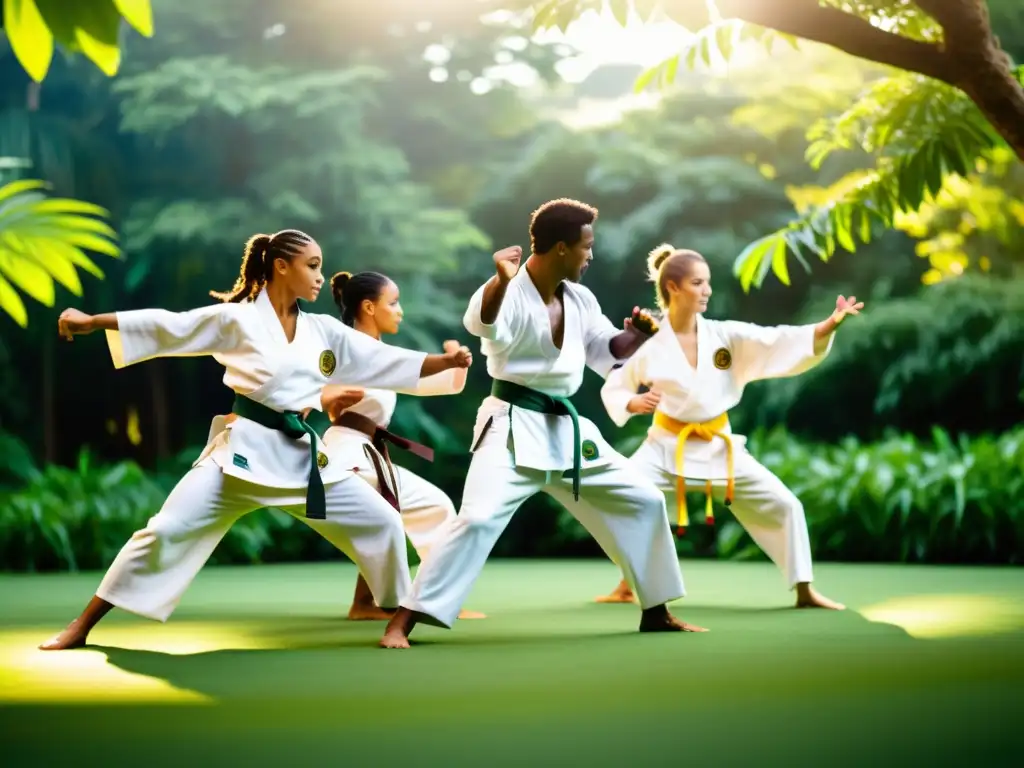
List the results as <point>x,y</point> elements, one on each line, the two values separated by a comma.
<point>259,667</point>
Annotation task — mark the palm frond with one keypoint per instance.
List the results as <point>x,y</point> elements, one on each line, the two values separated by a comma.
<point>42,241</point>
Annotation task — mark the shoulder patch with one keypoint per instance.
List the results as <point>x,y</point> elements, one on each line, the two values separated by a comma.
<point>723,359</point>
<point>328,362</point>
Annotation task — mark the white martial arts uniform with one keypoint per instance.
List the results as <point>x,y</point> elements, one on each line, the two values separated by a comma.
<point>519,452</point>
<point>246,466</point>
<point>730,355</point>
<point>424,506</point>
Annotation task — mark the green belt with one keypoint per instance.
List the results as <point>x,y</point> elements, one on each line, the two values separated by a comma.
<point>294,426</point>
<point>532,400</point>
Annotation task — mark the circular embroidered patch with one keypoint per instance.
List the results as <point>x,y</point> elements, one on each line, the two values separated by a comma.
<point>723,359</point>
<point>328,362</point>
<point>321,459</point>
<point>589,450</point>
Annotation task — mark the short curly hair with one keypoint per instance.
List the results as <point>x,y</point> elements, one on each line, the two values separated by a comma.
<point>559,221</point>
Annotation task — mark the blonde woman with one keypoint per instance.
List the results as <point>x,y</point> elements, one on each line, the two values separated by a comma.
<point>695,370</point>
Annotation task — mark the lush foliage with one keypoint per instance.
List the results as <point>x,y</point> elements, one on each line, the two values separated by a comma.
<point>950,356</point>
<point>916,137</point>
<point>898,500</point>
<point>927,138</point>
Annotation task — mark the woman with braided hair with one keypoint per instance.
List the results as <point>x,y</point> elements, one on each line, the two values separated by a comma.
<point>695,371</point>
<point>369,303</point>
<point>277,360</point>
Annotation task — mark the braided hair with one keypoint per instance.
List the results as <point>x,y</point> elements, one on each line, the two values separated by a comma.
<point>258,262</point>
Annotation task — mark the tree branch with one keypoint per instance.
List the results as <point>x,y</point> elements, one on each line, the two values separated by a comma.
<point>848,33</point>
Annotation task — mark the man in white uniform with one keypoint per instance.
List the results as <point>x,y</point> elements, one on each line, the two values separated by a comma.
<point>539,329</point>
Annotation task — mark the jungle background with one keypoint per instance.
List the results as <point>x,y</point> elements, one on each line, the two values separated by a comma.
<point>415,139</point>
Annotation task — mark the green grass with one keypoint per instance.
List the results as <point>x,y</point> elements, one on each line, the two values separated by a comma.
<point>258,667</point>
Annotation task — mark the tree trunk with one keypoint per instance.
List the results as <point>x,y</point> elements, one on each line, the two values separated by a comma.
<point>984,69</point>
<point>968,58</point>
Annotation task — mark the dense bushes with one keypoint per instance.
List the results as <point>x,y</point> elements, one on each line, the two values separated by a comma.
<point>898,500</point>
<point>951,355</point>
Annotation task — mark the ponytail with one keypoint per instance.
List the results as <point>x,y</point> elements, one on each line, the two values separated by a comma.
<point>258,263</point>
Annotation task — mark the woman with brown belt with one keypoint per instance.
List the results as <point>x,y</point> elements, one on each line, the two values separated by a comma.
<point>359,437</point>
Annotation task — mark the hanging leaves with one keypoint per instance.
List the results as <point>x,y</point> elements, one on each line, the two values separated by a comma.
<point>89,27</point>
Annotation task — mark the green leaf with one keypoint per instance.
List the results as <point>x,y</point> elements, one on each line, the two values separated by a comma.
<point>749,261</point>
<point>620,10</point>
<point>62,205</point>
<point>566,13</point>
<point>30,38</point>
<point>12,304</point>
<point>779,265</point>
<point>75,256</point>
<point>138,13</point>
<point>724,37</point>
<point>96,30</point>
<point>27,275</point>
<point>645,8</point>
<point>15,188</point>
<point>56,263</point>
<point>41,241</point>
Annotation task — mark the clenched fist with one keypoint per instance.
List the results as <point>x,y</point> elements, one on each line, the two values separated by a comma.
<point>457,355</point>
<point>642,320</point>
<point>506,262</point>
<point>72,323</point>
<point>645,403</point>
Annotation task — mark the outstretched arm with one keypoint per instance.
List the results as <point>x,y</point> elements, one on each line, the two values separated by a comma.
<point>145,334</point>
<point>366,362</point>
<point>786,350</point>
<point>449,382</point>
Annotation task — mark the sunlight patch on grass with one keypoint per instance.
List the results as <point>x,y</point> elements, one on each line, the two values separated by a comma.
<point>943,616</point>
<point>84,675</point>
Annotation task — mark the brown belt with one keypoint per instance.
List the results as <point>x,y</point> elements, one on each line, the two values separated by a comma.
<point>380,456</point>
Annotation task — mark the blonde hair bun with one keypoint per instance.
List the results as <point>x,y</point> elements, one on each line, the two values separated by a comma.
<point>656,258</point>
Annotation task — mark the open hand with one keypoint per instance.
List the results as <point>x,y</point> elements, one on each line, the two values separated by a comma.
<point>335,398</point>
<point>645,403</point>
<point>73,323</point>
<point>506,262</point>
<point>846,307</point>
<point>642,321</point>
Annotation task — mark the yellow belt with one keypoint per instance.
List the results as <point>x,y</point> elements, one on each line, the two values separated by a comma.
<point>706,430</point>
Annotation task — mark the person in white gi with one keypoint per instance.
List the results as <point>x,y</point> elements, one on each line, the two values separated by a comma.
<point>695,370</point>
<point>278,359</point>
<point>370,303</point>
<point>540,329</point>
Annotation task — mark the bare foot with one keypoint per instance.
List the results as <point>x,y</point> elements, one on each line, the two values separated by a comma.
<point>660,620</point>
<point>369,613</point>
<point>621,594</point>
<point>808,597</point>
<point>396,634</point>
<point>472,615</point>
<point>73,636</point>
